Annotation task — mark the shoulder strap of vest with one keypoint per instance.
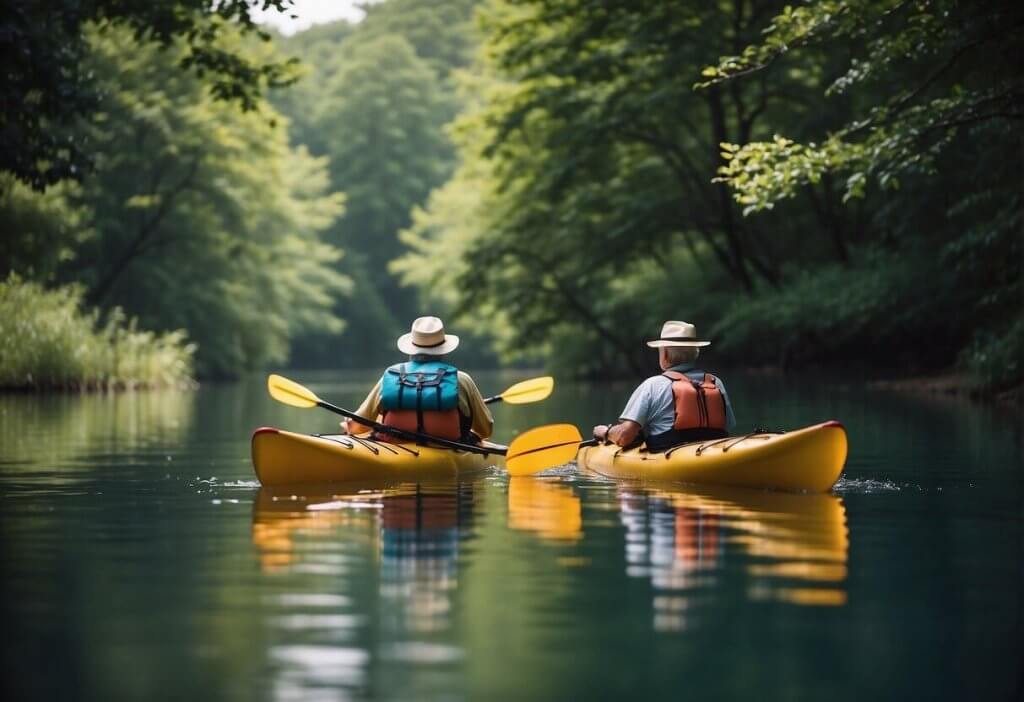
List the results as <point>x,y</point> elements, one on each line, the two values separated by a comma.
<point>678,376</point>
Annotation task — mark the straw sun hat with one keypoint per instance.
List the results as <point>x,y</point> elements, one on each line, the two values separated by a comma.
<point>675,333</point>
<point>427,337</point>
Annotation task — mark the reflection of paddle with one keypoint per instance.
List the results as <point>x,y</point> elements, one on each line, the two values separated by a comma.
<point>543,447</point>
<point>291,393</point>
<point>532,390</point>
<point>551,510</point>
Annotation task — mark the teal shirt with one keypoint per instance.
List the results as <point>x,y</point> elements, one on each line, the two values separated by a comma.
<point>653,407</point>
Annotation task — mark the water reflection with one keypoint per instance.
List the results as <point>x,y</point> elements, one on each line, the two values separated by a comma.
<point>130,565</point>
<point>793,548</point>
<point>409,535</point>
<point>550,510</point>
<point>413,532</point>
<point>78,429</point>
<point>419,542</point>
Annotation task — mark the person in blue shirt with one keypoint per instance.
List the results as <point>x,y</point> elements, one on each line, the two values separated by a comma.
<point>680,405</point>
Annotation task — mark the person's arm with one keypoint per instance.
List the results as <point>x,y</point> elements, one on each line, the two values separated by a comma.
<point>471,404</point>
<point>730,418</point>
<point>632,419</point>
<point>624,433</point>
<point>370,409</point>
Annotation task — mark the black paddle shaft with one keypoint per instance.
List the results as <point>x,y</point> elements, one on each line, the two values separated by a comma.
<point>410,435</point>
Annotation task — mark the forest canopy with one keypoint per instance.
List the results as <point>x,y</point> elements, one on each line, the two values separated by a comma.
<point>815,184</point>
<point>811,183</point>
<point>196,215</point>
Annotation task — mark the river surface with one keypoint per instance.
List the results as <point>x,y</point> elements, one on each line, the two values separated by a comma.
<point>142,560</point>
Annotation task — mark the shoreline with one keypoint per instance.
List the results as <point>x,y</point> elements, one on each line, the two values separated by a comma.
<point>951,383</point>
<point>115,388</point>
<point>948,383</point>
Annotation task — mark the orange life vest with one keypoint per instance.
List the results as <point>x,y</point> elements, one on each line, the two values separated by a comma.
<point>445,424</point>
<point>698,403</point>
<point>422,397</point>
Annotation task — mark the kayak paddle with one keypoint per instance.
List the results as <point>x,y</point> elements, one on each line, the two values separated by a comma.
<point>543,447</point>
<point>291,393</point>
<point>532,390</point>
<point>530,452</point>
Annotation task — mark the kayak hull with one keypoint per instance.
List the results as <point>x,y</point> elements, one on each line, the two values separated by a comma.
<point>284,458</point>
<point>809,459</point>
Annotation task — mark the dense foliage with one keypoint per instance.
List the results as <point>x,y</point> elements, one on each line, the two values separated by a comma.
<point>937,100</point>
<point>375,102</point>
<point>197,215</point>
<point>47,88</point>
<point>48,341</point>
<point>828,181</point>
<point>837,187</point>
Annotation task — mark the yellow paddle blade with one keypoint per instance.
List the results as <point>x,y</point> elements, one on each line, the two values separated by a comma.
<point>290,392</point>
<point>532,390</point>
<point>543,447</point>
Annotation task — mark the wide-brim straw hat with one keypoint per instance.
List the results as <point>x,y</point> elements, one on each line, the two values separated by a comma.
<point>427,337</point>
<point>674,333</point>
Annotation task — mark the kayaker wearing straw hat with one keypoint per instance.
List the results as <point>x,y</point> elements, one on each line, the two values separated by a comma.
<point>427,394</point>
<point>682,404</point>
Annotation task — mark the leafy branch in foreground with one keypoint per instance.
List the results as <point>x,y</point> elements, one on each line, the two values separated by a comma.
<point>46,89</point>
<point>943,66</point>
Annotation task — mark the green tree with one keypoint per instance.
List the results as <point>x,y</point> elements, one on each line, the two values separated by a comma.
<point>381,122</point>
<point>319,50</point>
<point>589,165</point>
<point>45,90</point>
<point>375,99</point>
<point>602,156</point>
<point>201,216</point>
<point>937,100</point>
<point>40,232</point>
<point>933,70</point>
<point>440,32</point>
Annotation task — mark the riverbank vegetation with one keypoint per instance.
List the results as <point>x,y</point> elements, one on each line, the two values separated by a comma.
<point>828,183</point>
<point>49,342</point>
<point>193,214</point>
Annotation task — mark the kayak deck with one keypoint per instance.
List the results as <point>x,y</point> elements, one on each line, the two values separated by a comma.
<point>809,459</point>
<point>282,458</point>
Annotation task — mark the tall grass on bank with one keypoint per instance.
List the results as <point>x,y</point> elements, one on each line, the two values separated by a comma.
<point>48,341</point>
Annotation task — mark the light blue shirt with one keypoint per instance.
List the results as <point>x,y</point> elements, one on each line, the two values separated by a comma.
<point>653,407</point>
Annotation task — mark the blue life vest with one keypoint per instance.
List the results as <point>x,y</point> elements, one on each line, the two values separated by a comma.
<point>430,386</point>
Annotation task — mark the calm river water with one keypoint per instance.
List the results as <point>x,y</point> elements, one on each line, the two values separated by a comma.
<point>142,560</point>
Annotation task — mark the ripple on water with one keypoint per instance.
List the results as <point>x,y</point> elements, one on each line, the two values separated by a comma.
<point>251,484</point>
<point>422,652</point>
<point>305,668</point>
<point>864,486</point>
<point>303,599</point>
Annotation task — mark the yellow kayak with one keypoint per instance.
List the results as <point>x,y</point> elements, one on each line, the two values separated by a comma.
<point>283,457</point>
<point>808,459</point>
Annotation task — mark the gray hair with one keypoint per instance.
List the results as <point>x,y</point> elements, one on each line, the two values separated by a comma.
<point>681,354</point>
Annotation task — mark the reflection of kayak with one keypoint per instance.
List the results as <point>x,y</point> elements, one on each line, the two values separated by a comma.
<point>797,545</point>
<point>777,525</point>
<point>282,457</point>
<point>805,459</point>
<point>420,521</point>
